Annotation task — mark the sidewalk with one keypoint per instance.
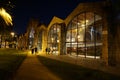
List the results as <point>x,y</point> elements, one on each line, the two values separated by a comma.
<point>32,69</point>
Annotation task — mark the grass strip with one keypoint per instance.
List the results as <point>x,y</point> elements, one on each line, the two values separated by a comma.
<point>10,60</point>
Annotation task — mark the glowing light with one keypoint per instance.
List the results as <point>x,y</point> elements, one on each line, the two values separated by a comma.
<point>73,39</point>
<point>12,33</point>
<point>52,39</point>
<point>29,52</point>
<point>58,41</point>
<point>83,25</point>
<point>87,21</point>
<point>78,36</point>
<point>78,23</point>
<point>6,16</point>
<point>74,48</point>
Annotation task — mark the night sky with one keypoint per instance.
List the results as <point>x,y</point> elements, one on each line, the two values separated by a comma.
<point>44,10</point>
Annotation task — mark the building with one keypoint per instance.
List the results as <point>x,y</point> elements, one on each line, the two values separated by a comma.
<point>84,32</point>
<point>88,31</point>
<point>56,36</point>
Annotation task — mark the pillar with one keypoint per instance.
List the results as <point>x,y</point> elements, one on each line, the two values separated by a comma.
<point>105,42</point>
<point>63,40</point>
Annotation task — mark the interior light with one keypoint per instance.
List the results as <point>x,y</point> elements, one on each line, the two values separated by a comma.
<point>78,23</point>
<point>57,40</point>
<point>73,39</point>
<point>78,36</point>
<point>52,39</point>
<point>87,21</point>
<point>83,25</point>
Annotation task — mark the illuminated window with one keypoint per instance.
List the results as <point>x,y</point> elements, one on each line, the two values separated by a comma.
<point>31,35</point>
<point>31,38</point>
<point>54,38</point>
<point>84,35</point>
<point>40,40</point>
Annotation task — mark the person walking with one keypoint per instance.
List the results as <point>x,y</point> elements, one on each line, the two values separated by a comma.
<point>46,50</point>
<point>32,50</point>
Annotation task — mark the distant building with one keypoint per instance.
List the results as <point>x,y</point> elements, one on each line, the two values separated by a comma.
<point>22,42</point>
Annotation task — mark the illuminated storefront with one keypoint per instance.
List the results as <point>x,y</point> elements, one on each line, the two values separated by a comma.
<point>84,35</point>
<point>31,38</point>
<point>41,39</point>
<point>39,44</point>
<point>85,32</point>
<point>54,38</point>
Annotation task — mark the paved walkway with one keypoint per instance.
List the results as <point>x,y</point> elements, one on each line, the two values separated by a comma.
<point>32,69</point>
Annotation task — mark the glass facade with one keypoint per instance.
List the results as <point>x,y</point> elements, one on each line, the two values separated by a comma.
<point>84,35</point>
<point>39,46</point>
<point>31,38</point>
<point>54,39</point>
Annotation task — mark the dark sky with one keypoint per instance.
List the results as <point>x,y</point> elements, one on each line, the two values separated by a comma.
<point>44,10</point>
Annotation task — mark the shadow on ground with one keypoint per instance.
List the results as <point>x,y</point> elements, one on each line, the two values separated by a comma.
<point>67,71</point>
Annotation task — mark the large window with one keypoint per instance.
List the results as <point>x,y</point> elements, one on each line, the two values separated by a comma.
<point>31,38</point>
<point>39,46</point>
<point>84,35</point>
<point>54,38</point>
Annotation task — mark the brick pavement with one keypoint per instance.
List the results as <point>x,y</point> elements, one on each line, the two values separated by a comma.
<point>32,69</point>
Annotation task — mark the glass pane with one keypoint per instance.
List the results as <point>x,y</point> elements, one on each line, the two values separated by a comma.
<point>84,35</point>
<point>53,38</point>
<point>40,41</point>
<point>68,36</point>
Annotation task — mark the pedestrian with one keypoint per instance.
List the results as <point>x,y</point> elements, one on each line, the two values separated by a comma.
<point>36,50</point>
<point>32,50</point>
<point>46,50</point>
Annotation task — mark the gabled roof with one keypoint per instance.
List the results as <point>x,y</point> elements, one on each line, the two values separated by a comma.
<point>55,20</point>
<point>83,7</point>
<point>42,27</point>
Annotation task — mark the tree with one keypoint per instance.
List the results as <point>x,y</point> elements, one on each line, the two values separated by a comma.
<point>5,21</point>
